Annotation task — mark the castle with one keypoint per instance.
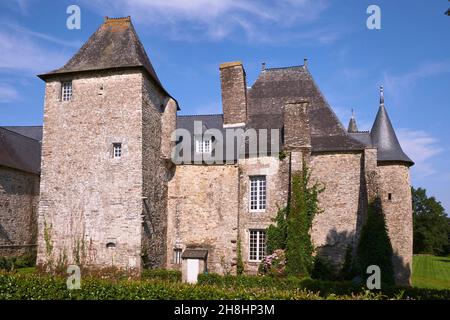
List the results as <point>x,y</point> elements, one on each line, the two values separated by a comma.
<point>107,188</point>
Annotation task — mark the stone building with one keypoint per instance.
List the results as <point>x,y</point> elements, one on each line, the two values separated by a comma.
<point>119,188</point>
<point>20,151</point>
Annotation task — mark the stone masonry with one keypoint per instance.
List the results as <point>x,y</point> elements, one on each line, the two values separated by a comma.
<point>19,197</point>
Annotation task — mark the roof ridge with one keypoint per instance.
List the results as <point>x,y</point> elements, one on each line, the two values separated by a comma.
<point>18,134</point>
<point>289,67</point>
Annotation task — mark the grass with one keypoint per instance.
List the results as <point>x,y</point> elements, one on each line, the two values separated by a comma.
<point>431,272</point>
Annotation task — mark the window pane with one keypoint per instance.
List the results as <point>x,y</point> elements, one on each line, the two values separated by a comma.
<point>258,193</point>
<point>257,245</point>
<point>66,91</point>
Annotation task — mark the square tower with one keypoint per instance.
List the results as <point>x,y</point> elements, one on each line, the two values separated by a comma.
<point>103,188</point>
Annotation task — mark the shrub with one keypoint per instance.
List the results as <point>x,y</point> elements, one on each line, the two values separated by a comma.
<point>35,287</point>
<point>324,269</point>
<point>162,274</point>
<point>273,264</point>
<point>12,263</point>
<point>374,246</point>
<point>349,269</point>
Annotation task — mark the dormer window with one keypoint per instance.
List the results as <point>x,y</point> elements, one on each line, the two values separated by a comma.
<point>203,145</point>
<point>66,91</point>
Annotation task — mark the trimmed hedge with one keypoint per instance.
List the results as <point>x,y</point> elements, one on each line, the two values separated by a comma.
<point>35,287</point>
<point>321,287</point>
<point>161,274</point>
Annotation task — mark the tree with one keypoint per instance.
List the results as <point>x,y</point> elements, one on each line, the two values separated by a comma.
<point>431,227</point>
<point>374,247</point>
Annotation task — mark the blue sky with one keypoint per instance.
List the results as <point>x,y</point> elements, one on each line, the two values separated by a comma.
<point>187,40</point>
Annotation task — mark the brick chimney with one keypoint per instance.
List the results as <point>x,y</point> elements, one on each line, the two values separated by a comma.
<point>234,93</point>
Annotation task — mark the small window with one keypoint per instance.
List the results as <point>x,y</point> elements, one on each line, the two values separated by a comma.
<point>117,150</point>
<point>177,256</point>
<point>66,91</point>
<point>258,193</point>
<point>257,245</point>
<point>390,196</point>
<point>203,145</point>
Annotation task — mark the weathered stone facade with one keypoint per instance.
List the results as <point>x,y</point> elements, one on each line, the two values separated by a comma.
<point>19,197</point>
<point>88,211</point>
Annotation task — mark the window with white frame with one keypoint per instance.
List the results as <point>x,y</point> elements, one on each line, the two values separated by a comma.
<point>177,256</point>
<point>257,245</point>
<point>203,145</point>
<point>66,91</point>
<point>117,150</point>
<point>258,193</point>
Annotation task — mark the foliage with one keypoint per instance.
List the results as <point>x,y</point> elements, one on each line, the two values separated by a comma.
<point>349,269</point>
<point>277,233</point>
<point>240,261</point>
<point>374,246</point>
<point>302,209</point>
<point>273,264</point>
<point>324,269</point>
<point>323,288</point>
<point>431,225</point>
<point>211,287</point>
<point>13,263</point>
<point>162,274</point>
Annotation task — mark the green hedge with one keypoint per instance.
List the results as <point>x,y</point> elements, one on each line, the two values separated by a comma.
<point>321,287</point>
<point>21,287</point>
<point>35,287</point>
<point>162,274</point>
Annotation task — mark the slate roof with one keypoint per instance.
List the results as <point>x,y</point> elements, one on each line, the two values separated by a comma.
<point>384,138</point>
<point>19,152</point>
<point>275,86</point>
<point>114,45</point>
<point>34,132</point>
<point>363,137</point>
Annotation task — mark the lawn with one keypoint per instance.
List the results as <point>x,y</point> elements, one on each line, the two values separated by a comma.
<point>431,272</point>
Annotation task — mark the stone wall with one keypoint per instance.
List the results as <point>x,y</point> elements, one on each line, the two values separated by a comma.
<point>202,213</point>
<point>395,195</point>
<point>277,173</point>
<point>157,170</point>
<point>91,204</point>
<point>19,197</point>
<point>342,201</point>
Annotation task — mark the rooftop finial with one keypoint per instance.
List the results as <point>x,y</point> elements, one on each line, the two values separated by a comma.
<point>353,113</point>
<point>381,95</point>
<point>263,66</point>
<point>305,62</point>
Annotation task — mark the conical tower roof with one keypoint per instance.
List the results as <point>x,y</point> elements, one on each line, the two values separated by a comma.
<point>384,137</point>
<point>114,45</point>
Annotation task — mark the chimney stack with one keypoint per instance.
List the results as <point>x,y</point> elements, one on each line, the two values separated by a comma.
<point>234,94</point>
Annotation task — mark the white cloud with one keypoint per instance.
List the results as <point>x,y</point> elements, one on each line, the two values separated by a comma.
<point>215,20</point>
<point>421,147</point>
<point>399,85</point>
<point>24,51</point>
<point>8,94</point>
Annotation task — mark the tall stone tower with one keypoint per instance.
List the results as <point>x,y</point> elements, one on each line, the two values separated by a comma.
<point>104,169</point>
<point>394,191</point>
